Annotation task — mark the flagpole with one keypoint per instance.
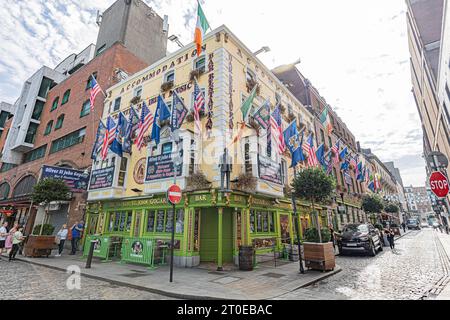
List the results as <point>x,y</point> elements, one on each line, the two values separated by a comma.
<point>93,115</point>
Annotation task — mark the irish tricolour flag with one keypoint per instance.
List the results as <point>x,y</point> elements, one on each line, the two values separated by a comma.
<point>200,29</point>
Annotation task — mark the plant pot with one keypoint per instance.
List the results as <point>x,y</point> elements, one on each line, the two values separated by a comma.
<point>319,256</point>
<point>38,246</point>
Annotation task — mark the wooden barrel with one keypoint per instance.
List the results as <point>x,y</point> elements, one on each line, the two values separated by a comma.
<point>246,256</point>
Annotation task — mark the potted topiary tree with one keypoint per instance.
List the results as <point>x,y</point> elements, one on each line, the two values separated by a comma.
<point>315,185</point>
<point>45,192</point>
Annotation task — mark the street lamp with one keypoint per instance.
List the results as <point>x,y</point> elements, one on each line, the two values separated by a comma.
<point>263,49</point>
<point>175,39</point>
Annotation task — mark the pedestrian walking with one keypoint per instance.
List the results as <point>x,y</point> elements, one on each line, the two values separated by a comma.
<point>17,238</point>
<point>61,237</point>
<point>77,229</point>
<point>3,235</point>
<point>391,238</point>
<point>404,226</point>
<point>9,238</point>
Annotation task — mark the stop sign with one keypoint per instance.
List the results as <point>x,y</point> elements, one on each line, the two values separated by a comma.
<point>439,184</point>
<point>174,194</point>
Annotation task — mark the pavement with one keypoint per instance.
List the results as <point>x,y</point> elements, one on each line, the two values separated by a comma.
<point>267,281</point>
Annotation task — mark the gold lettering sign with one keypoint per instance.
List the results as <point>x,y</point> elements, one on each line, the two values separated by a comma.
<point>262,202</point>
<point>238,199</point>
<point>200,198</point>
<point>138,203</point>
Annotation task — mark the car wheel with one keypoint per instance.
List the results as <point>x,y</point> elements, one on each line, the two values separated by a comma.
<point>372,251</point>
<point>381,247</point>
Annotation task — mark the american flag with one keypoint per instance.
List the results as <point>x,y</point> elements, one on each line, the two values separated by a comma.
<point>199,105</point>
<point>335,150</point>
<point>353,162</point>
<point>308,147</point>
<point>144,125</point>
<point>110,135</point>
<point>95,89</point>
<point>277,129</point>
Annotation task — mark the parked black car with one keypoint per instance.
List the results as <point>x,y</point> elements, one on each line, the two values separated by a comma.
<point>413,224</point>
<point>360,238</point>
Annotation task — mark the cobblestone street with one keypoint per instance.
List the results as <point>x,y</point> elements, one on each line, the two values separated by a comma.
<point>407,273</point>
<point>25,281</point>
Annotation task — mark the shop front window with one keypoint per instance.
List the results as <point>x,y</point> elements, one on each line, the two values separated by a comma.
<point>262,221</point>
<point>161,221</point>
<point>120,221</point>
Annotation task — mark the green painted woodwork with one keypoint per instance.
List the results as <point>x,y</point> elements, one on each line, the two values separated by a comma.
<point>208,235</point>
<point>220,239</point>
<point>101,249</point>
<point>139,250</point>
<point>227,236</point>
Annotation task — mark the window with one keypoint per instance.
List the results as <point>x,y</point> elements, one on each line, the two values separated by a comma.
<point>117,104</point>
<point>65,97</point>
<point>250,76</point>
<point>262,221</point>
<point>138,91</point>
<point>46,84</point>
<point>100,50</point>
<point>67,141</point>
<point>38,107</point>
<point>55,104</point>
<point>120,221</point>
<point>200,64</point>
<point>122,171</point>
<point>3,117</point>
<point>31,133</point>
<point>290,110</point>
<point>59,122</point>
<point>167,148</point>
<point>35,154</point>
<point>161,221</point>
<point>277,98</point>
<point>284,171</point>
<point>192,158</point>
<point>169,76</point>
<point>4,191</point>
<point>248,164</point>
<point>88,81</point>
<point>7,166</point>
<point>48,128</point>
<point>85,109</point>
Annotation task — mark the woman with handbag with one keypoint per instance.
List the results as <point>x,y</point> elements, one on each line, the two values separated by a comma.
<point>9,238</point>
<point>61,237</point>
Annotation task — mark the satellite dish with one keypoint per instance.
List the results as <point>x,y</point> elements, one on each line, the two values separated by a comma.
<point>166,24</point>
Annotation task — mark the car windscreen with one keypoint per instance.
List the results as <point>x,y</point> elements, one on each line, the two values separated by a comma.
<point>412,221</point>
<point>356,228</point>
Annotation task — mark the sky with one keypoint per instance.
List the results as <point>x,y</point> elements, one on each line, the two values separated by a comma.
<point>355,52</point>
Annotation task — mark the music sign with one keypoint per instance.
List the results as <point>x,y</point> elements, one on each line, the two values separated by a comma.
<point>160,167</point>
<point>76,180</point>
<point>269,170</point>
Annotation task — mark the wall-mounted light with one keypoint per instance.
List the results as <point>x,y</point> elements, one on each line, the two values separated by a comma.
<point>175,39</point>
<point>263,49</point>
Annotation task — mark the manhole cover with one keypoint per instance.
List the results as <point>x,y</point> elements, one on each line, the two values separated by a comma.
<point>226,280</point>
<point>273,275</point>
<point>133,275</point>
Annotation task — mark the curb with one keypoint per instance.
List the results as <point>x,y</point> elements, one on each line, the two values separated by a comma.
<point>168,293</point>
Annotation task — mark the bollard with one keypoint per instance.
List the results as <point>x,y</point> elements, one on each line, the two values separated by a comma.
<point>91,253</point>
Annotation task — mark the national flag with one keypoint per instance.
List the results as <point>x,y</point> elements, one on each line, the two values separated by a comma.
<point>117,144</point>
<point>162,113</point>
<point>377,182</point>
<point>179,112</point>
<point>247,105</point>
<point>262,115</point>
<point>308,147</point>
<point>239,134</point>
<point>98,140</point>
<point>353,162</point>
<point>199,106</point>
<point>335,150</point>
<point>345,165</point>
<point>325,120</point>
<point>108,138</point>
<point>277,130</point>
<point>343,154</point>
<point>320,156</point>
<point>200,29</point>
<point>360,172</point>
<point>330,164</point>
<point>132,128</point>
<point>95,90</point>
<point>144,125</point>
<point>292,138</point>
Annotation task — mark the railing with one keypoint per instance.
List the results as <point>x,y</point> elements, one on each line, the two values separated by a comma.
<point>105,247</point>
<point>143,251</point>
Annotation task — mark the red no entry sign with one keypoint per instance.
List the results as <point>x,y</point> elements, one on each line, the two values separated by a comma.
<point>174,194</point>
<point>439,184</point>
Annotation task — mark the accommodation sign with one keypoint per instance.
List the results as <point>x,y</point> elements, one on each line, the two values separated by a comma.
<point>76,180</point>
<point>269,170</point>
<point>102,178</point>
<point>160,167</point>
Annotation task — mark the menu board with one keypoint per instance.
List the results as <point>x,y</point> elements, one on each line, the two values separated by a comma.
<point>238,229</point>
<point>269,170</point>
<point>160,167</point>
<point>160,221</point>
<point>196,230</point>
<point>102,178</point>
<point>151,221</point>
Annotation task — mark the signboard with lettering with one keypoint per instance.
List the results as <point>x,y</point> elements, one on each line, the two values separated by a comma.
<point>76,180</point>
<point>269,170</point>
<point>102,178</point>
<point>160,167</point>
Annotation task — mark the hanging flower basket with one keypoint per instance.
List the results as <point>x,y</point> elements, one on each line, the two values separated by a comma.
<point>197,181</point>
<point>246,182</point>
<point>167,86</point>
<point>251,84</point>
<point>195,74</point>
<point>255,125</point>
<point>135,100</point>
